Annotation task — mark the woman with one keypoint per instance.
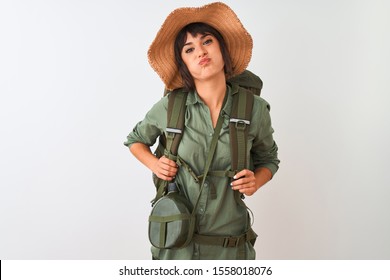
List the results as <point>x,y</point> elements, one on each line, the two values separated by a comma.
<point>198,49</point>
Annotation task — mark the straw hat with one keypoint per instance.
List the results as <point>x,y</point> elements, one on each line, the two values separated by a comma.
<point>218,15</point>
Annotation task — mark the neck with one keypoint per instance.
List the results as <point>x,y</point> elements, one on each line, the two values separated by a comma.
<point>212,92</point>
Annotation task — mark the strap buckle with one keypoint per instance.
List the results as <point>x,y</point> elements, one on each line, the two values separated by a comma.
<point>173,130</point>
<point>240,123</point>
<point>231,241</point>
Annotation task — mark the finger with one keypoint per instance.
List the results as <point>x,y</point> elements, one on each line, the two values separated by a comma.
<point>168,170</point>
<point>167,175</point>
<point>168,161</point>
<point>240,174</point>
<point>165,178</point>
<point>243,181</point>
<point>243,184</point>
<point>250,189</point>
<point>244,173</point>
<point>248,185</point>
<point>167,165</point>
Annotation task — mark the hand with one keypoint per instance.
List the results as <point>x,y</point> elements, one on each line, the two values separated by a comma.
<point>165,168</point>
<point>245,182</point>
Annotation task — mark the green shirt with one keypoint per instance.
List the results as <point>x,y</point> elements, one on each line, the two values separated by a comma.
<point>220,214</point>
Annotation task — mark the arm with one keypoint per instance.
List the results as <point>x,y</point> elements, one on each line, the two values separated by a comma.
<point>163,167</point>
<point>145,134</point>
<point>263,153</point>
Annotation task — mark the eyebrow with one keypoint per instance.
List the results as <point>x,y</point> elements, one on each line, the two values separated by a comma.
<point>201,37</point>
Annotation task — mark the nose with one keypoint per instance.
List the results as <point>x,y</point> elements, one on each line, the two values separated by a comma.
<point>202,51</point>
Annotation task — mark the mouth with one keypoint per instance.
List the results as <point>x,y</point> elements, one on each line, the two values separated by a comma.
<point>204,61</point>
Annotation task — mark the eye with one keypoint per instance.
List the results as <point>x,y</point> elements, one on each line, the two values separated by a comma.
<point>208,42</point>
<point>189,50</point>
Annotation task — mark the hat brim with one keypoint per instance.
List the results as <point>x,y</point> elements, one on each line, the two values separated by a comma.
<point>218,15</point>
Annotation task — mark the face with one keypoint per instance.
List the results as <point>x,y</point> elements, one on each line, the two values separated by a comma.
<point>202,56</point>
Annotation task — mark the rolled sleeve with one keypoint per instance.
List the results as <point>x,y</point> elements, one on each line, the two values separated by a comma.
<point>264,152</point>
<point>151,127</point>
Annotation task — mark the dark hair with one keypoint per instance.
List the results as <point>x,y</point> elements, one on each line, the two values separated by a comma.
<point>195,29</point>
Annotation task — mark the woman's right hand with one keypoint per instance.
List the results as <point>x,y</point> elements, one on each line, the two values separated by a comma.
<point>165,168</point>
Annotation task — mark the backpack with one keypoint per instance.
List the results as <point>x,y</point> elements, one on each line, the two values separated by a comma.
<point>172,220</point>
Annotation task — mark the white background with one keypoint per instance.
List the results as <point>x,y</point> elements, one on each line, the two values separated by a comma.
<point>74,80</point>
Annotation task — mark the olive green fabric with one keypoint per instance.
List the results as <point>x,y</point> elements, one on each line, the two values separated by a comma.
<point>219,214</point>
<point>248,80</point>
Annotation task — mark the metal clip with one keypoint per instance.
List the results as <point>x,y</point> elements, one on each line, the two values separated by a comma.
<point>240,123</point>
<point>173,130</point>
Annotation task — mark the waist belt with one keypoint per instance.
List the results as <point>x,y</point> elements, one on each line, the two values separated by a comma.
<point>226,241</point>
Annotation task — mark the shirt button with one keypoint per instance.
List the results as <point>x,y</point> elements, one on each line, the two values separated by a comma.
<point>210,134</point>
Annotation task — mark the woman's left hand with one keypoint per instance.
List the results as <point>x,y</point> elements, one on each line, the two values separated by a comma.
<point>245,182</point>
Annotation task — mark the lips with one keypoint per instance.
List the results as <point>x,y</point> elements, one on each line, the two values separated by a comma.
<point>204,61</point>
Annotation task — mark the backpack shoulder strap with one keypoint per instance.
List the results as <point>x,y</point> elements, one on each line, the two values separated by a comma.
<point>240,119</point>
<point>170,140</point>
<point>175,121</point>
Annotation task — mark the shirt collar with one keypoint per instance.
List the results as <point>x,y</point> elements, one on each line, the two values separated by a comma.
<point>193,98</point>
